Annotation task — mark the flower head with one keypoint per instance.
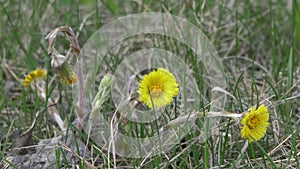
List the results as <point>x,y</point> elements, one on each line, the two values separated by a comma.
<point>66,74</point>
<point>64,70</point>
<point>255,123</point>
<point>37,74</point>
<point>158,87</point>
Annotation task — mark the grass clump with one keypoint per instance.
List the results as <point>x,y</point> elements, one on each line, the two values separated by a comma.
<point>256,42</point>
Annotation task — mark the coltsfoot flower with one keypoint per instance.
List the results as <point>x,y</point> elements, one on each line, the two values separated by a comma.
<point>38,74</point>
<point>158,87</point>
<point>64,70</point>
<point>255,123</point>
<point>66,74</point>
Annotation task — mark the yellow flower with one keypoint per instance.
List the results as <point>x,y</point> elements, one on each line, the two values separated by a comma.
<point>255,123</point>
<point>66,73</point>
<point>64,70</point>
<point>159,87</point>
<point>34,75</point>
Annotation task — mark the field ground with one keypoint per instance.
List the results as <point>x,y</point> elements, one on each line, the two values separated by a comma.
<point>257,41</point>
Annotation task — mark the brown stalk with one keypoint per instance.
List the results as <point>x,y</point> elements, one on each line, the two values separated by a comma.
<point>76,49</point>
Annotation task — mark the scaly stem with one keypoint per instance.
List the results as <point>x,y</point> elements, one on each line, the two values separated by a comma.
<point>76,49</point>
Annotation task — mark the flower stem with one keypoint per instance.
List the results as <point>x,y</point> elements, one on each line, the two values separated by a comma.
<point>196,115</point>
<point>76,49</point>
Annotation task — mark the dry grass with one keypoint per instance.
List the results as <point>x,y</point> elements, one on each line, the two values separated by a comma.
<point>257,42</point>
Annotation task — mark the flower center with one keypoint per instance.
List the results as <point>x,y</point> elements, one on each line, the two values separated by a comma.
<point>156,89</point>
<point>252,122</point>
